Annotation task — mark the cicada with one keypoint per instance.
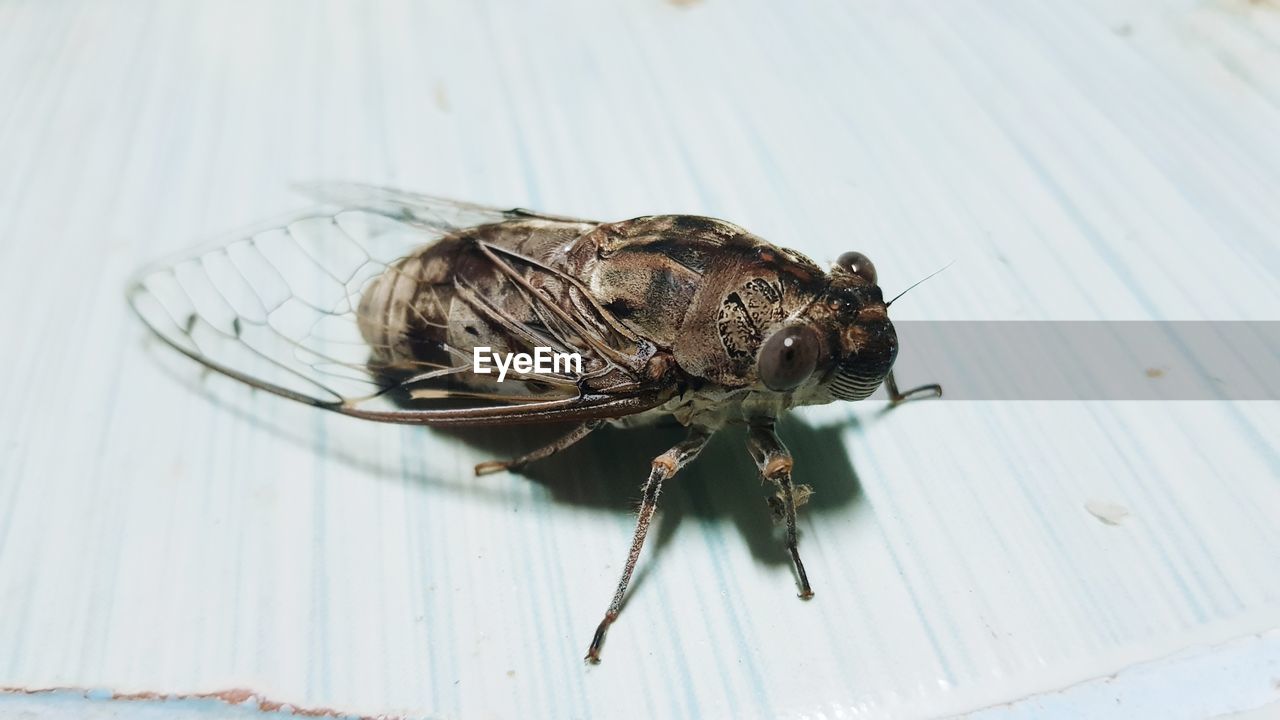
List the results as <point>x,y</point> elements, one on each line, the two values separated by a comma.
<point>374,305</point>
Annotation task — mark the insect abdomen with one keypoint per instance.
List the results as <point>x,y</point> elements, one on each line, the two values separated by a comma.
<point>415,314</point>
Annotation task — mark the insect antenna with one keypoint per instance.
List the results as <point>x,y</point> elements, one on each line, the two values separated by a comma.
<point>914,284</point>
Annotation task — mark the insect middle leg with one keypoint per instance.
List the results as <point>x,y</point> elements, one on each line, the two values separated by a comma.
<point>774,461</point>
<point>897,397</point>
<point>665,466</point>
<point>546,451</point>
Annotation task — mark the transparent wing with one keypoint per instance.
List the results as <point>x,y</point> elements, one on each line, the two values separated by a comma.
<point>424,210</point>
<point>276,307</point>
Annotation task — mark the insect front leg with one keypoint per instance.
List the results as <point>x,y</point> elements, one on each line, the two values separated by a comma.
<point>546,451</point>
<point>897,397</point>
<point>665,466</point>
<point>774,461</point>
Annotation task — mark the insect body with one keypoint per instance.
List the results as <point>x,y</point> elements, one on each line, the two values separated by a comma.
<point>373,306</point>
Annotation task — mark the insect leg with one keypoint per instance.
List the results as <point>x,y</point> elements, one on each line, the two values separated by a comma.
<point>774,461</point>
<point>897,397</point>
<point>664,467</point>
<point>551,448</point>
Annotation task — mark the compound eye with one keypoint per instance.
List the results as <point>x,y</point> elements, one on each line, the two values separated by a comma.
<point>855,263</point>
<point>789,357</point>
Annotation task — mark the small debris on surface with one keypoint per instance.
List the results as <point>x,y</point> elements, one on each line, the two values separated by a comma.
<point>1108,513</point>
<point>441,97</point>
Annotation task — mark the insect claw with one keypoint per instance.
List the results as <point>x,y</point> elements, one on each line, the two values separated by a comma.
<point>597,640</point>
<point>492,466</point>
<point>806,591</point>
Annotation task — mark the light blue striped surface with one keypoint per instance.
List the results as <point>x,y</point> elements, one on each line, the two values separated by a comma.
<point>164,532</point>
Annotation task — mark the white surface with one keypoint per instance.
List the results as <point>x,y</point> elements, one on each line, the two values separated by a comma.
<point>1077,161</point>
<point>1141,690</point>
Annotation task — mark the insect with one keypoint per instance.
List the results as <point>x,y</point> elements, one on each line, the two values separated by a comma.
<point>372,305</point>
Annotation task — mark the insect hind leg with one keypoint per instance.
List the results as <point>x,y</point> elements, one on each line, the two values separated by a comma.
<point>774,461</point>
<point>546,451</point>
<point>664,467</point>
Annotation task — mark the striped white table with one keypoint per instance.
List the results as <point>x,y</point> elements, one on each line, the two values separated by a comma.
<point>163,535</point>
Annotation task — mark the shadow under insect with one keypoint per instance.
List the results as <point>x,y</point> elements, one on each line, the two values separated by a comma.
<point>606,470</point>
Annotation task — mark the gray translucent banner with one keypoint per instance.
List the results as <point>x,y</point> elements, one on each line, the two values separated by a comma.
<point>1134,360</point>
